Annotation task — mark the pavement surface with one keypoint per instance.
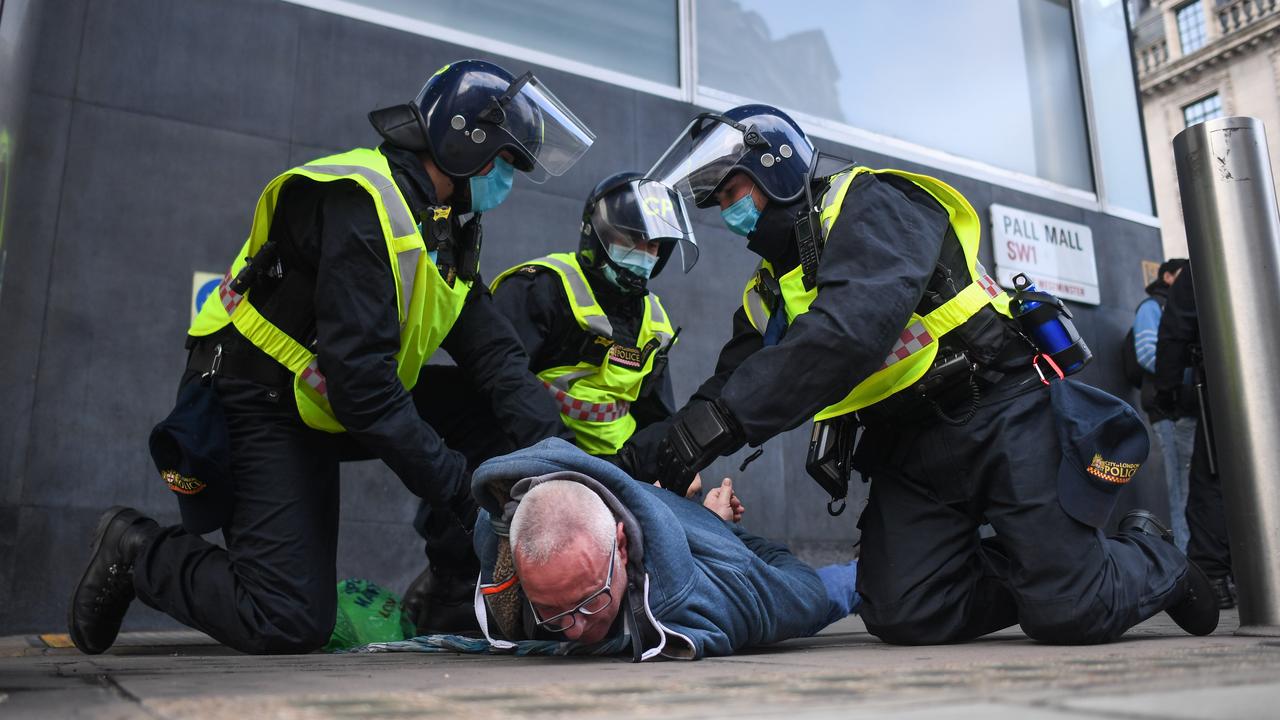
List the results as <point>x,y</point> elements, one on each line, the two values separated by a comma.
<point>1155,671</point>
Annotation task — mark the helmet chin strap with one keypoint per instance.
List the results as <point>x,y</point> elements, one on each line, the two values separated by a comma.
<point>461,197</point>
<point>622,279</point>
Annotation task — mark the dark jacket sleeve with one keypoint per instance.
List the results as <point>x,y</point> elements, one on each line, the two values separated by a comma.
<point>1179,330</point>
<point>529,301</point>
<point>358,331</point>
<point>656,404</point>
<point>878,258</point>
<point>487,348</point>
<point>742,345</point>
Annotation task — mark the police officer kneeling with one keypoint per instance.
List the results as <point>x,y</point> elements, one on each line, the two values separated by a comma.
<point>356,270</point>
<point>865,293</point>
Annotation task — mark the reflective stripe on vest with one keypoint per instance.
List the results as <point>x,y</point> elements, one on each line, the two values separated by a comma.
<point>402,223</point>
<point>917,345</point>
<point>597,320</point>
<point>427,306</point>
<point>595,397</point>
<point>587,412</point>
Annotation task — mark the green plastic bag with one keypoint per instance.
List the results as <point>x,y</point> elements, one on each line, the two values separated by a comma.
<point>367,613</point>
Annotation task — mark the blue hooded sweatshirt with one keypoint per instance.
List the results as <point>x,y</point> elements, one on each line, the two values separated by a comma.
<point>697,587</point>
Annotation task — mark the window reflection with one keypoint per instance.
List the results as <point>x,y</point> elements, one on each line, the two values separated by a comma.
<point>636,37</point>
<point>992,80</point>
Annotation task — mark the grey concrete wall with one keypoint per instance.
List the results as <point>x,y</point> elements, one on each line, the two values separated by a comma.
<point>154,125</point>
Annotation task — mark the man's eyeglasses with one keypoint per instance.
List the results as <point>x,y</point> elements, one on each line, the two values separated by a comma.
<point>595,602</point>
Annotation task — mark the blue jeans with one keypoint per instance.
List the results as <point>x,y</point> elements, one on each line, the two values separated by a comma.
<point>841,583</point>
<point>1177,438</point>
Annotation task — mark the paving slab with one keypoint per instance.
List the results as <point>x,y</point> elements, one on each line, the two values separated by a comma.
<point>1155,671</point>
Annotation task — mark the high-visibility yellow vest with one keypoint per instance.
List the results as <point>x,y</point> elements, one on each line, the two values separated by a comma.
<point>427,305</point>
<point>595,397</point>
<point>917,347</point>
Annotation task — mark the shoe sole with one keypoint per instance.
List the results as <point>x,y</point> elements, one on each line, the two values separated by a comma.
<point>103,523</point>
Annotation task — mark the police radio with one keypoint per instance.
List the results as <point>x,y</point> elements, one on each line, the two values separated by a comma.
<point>808,232</point>
<point>808,227</point>
<point>830,460</point>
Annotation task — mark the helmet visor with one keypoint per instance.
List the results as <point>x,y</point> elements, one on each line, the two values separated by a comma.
<point>545,128</point>
<point>643,215</point>
<point>701,157</point>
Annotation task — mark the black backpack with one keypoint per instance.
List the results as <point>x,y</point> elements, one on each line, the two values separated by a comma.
<point>1133,372</point>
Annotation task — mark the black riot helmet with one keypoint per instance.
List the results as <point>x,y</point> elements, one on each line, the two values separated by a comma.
<point>471,110</point>
<point>759,140</point>
<point>622,216</point>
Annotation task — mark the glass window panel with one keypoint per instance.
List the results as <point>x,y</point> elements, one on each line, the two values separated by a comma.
<point>1115,105</point>
<point>636,37</point>
<point>992,80</point>
<point>1191,30</point>
<point>1204,109</point>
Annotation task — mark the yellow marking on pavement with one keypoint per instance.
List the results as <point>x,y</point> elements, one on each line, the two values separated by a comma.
<point>57,640</point>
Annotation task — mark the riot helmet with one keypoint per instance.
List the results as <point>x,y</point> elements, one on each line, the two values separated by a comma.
<point>471,110</point>
<point>759,140</point>
<point>623,217</point>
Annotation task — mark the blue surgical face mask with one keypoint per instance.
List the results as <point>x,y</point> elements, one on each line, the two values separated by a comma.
<point>640,263</point>
<point>489,190</point>
<point>741,216</point>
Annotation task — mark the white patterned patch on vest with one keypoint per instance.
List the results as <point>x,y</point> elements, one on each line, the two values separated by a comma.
<point>312,376</point>
<point>230,298</point>
<point>912,340</point>
<point>989,285</point>
<point>576,409</point>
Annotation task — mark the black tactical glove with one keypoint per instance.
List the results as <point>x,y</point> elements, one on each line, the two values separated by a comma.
<point>700,434</point>
<point>448,532</point>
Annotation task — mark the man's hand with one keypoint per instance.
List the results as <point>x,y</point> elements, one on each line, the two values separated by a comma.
<point>723,502</point>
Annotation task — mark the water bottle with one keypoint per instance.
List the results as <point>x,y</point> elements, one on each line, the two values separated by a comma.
<point>1048,322</point>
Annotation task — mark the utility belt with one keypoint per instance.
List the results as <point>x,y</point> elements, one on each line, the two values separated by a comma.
<point>949,392</point>
<point>235,358</point>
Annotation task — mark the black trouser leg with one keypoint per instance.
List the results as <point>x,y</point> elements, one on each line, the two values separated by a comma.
<point>923,575</point>
<point>462,417</point>
<point>925,579</point>
<point>272,590</point>
<point>1206,517</point>
<point>1073,585</point>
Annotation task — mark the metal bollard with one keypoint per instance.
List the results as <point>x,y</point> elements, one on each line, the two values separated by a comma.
<point>1233,232</point>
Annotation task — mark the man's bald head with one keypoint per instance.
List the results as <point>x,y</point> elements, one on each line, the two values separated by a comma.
<point>556,513</point>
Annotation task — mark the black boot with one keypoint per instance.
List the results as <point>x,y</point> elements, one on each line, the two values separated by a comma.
<point>439,603</point>
<point>105,590</point>
<point>1224,592</point>
<point>1196,606</point>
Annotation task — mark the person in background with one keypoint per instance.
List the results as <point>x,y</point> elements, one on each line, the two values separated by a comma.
<point>1177,353</point>
<point>1175,432</point>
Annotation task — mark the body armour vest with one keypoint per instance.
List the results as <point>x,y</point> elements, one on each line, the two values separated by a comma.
<point>917,346</point>
<point>595,394</point>
<point>427,305</point>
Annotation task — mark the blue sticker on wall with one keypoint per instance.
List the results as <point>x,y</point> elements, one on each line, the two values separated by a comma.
<point>202,285</point>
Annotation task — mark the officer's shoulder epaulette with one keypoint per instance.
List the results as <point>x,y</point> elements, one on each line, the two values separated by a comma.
<point>532,269</point>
